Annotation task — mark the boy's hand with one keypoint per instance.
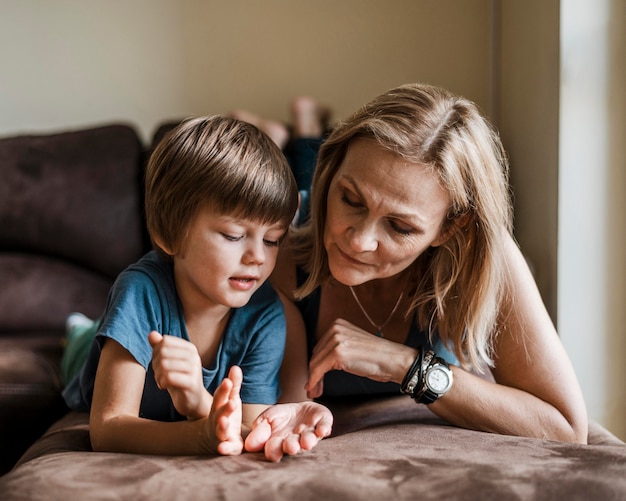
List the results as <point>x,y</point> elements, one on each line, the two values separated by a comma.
<point>224,422</point>
<point>178,369</point>
<point>288,429</point>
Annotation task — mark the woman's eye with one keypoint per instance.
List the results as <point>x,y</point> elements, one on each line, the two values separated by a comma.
<point>231,238</point>
<point>399,228</point>
<point>271,243</point>
<point>348,201</point>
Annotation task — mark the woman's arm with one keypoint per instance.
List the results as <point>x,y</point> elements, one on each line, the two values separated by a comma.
<point>536,392</point>
<point>115,424</point>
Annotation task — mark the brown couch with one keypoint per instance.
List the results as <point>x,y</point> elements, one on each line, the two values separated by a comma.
<point>70,220</point>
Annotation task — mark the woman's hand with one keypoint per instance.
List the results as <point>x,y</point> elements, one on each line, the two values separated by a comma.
<point>178,369</point>
<point>350,349</point>
<point>289,429</point>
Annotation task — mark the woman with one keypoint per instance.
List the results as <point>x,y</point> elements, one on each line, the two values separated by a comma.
<point>407,279</point>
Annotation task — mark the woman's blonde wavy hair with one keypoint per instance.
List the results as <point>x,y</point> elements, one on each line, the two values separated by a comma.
<point>458,286</point>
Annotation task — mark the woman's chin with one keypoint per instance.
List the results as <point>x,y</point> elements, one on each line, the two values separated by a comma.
<point>346,275</point>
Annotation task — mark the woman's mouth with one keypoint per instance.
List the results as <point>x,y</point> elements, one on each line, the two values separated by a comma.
<point>349,258</point>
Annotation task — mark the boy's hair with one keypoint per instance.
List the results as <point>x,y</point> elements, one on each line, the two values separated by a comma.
<point>219,163</point>
<point>458,286</point>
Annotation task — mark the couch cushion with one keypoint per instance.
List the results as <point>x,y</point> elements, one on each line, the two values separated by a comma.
<point>30,391</point>
<point>384,450</point>
<point>29,371</point>
<point>38,292</point>
<point>75,195</point>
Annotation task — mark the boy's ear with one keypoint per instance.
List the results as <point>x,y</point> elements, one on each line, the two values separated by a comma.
<point>165,248</point>
<point>457,224</point>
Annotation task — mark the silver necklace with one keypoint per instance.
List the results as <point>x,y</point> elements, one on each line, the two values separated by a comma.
<point>378,327</point>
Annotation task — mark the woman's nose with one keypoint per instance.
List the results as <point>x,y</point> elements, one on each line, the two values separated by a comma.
<point>363,236</point>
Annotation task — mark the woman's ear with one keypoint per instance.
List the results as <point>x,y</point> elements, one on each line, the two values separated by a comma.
<point>457,224</point>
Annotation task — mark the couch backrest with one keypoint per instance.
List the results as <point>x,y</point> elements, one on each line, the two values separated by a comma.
<point>70,220</point>
<point>74,195</point>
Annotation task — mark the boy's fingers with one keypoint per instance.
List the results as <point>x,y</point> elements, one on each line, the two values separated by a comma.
<point>325,425</point>
<point>222,393</point>
<point>308,440</point>
<point>291,444</point>
<point>258,436</point>
<point>235,375</point>
<point>154,338</point>
<point>274,449</point>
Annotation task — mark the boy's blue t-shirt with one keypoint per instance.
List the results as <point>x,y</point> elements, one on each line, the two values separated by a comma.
<point>143,298</point>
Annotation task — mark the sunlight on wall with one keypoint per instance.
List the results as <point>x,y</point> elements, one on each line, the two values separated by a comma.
<point>585,237</point>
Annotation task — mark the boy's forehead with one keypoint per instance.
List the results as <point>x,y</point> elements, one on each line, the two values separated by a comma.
<point>243,219</point>
<point>243,211</point>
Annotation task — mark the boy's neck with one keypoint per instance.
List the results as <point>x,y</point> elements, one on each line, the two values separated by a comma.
<point>205,332</point>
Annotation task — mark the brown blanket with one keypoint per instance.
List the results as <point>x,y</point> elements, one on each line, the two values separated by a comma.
<point>386,449</point>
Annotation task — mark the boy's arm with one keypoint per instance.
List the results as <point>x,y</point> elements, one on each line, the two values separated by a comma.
<point>249,414</point>
<point>115,424</point>
<point>294,370</point>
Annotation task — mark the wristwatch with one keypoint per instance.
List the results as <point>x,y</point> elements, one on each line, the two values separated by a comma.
<point>437,381</point>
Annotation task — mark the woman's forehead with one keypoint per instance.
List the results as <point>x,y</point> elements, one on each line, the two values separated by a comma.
<point>389,179</point>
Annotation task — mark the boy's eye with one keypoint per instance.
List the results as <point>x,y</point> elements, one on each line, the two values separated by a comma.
<point>237,238</point>
<point>275,238</point>
<point>232,238</point>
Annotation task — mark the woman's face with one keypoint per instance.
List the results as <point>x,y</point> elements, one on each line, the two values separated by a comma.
<point>383,212</point>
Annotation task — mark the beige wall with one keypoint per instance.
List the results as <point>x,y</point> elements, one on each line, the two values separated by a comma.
<point>259,54</point>
<point>67,63</point>
<point>70,63</point>
<point>528,114</point>
<point>615,269</point>
<point>561,110</point>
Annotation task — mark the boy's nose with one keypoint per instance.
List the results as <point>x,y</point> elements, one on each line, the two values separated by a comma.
<point>255,253</point>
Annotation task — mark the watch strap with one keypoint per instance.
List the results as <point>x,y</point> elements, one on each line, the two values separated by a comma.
<point>414,375</point>
<point>426,395</point>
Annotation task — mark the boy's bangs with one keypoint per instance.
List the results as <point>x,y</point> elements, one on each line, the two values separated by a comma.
<point>267,198</point>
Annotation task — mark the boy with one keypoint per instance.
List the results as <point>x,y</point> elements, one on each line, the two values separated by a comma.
<point>164,375</point>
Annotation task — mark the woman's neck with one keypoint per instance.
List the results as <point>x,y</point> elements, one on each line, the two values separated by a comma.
<point>383,287</point>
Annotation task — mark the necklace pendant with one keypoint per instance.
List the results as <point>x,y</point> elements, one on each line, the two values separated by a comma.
<point>379,327</point>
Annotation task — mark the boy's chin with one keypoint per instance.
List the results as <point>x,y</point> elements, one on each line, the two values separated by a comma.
<point>240,299</point>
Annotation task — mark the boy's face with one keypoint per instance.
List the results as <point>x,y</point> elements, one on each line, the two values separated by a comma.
<point>224,260</point>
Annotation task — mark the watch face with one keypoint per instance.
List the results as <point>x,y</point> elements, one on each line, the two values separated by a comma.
<point>438,379</point>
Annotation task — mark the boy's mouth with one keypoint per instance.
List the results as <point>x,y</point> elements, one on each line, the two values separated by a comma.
<point>243,283</point>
